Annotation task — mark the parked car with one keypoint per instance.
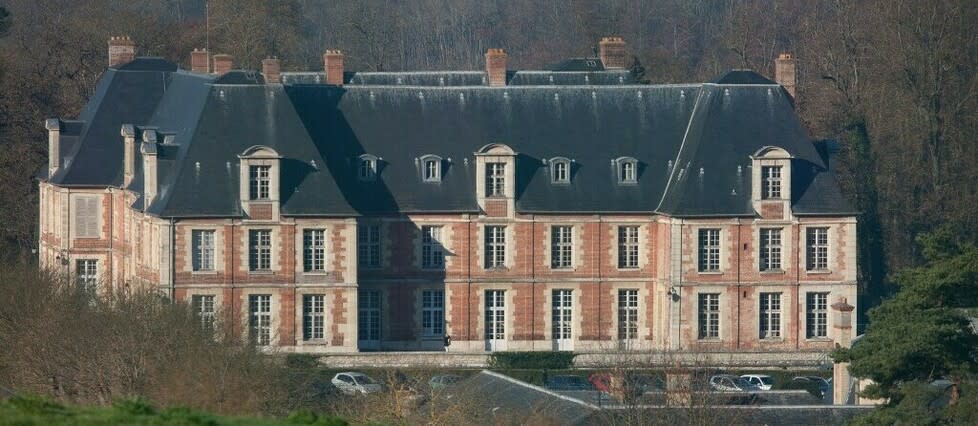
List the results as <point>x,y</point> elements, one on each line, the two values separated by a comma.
<point>352,383</point>
<point>762,381</point>
<point>569,383</point>
<point>824,386</point>
<point>443,380</point>
<point>731,383</point>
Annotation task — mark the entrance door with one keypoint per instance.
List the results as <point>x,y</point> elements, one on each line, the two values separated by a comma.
<point>562,312</point>
<point>368,320</point>
<point>495,320</point>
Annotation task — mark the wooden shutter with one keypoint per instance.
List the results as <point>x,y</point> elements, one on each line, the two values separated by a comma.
<point>86,217</point>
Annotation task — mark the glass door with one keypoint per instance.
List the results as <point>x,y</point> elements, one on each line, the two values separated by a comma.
<point>368,319</point>
<point>562,314</point>
<point>495,320</point>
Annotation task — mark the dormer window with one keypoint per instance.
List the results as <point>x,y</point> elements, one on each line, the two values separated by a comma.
<point>367,168</point>
<point>431,168</point>
<point>771,182</point>
<point>259,182</point>
<point>495,179</point>
<point>627,170</point>
<point>559,170</point>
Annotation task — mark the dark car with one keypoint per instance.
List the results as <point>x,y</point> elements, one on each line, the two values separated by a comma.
<point>569,383</point>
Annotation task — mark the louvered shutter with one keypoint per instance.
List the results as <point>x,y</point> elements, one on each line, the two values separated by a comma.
<point>86,217</point>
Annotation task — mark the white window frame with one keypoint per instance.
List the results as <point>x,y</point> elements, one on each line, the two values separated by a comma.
<point>628,246</point>
<point>709,249</point>
<point>368,245</point>
<point>561,247</point>
<point>314,250</point>
<point>431,168</point>
<point>260,319</point>
<point>432,251</point>
<point>771,183</point>
<point>817,248</point>
<point>560,170</point>
<point>259,182</point>
<point>495,246</point>
<point>203,249</point>
<point>817,315</point>
<point>495,179</point>
<point>367,168</point>
<point>708,313</point>
<point>770,248</point>
<point>259,250</point>
<point>627,170</point>
<point>313,317</point>
<point>432,313</point>
<point>628,314</point>
<point>86,275</point>
<point>770,314</point>
<point>562,314</point>
<point>203,306</point>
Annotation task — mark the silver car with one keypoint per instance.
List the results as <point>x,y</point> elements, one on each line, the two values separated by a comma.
<point>352,383</point>
<point>731,383</point>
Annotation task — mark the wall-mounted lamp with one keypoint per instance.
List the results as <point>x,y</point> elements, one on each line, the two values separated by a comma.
<point>673,292</point>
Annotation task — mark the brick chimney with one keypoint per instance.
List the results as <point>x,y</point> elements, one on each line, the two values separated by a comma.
<point>496,67</point>
<point>612,52</point>
<point>150,175</point>
<point>784,72</point>
<point>272,67</point>
<point>222,64</point>
<point>200,61</point>
<point>333,65</point>
<point>54,145</point>
<point>122,50</point>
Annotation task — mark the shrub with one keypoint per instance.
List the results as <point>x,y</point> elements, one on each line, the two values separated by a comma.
<point>531,360</point>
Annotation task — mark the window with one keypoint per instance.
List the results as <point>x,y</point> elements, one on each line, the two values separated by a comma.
<point>559,170</point>
<point>770,182</point>
<point>495,179</point>
<point>562,305</point>
<point>495,247</point>
<point>627,170</point>
<point>367,169</point>
<point>204,309</point>
<point>432,169</point>
<point>368,245</point>
<point>770,320</point>
<point>86,216</point>
<point>627,314</point>
<point>433,313</point>
<point>770,249</point>
<point>260,250</point>
<point>260,319</point>
<point>709,313</point>
<point>818,249</point>
<point>816,315</point>
<point>561,247</point>
<point>432,253</point>
<point>314,250</point>
<point>203,249</point>
<point>709,250</point>
<point>313,317</point>
<point>86,275</point>
<point>259,182</point>
<point>627,247</point>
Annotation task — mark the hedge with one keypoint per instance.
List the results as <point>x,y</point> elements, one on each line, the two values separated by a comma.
<point>532,360</point>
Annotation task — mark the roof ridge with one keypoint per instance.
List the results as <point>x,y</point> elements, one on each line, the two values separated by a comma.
<point>679,152</point>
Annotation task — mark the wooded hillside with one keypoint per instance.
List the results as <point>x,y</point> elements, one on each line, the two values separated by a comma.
<point>893,80</point>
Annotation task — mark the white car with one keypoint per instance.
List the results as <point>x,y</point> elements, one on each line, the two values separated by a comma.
<point>762,381</point>
<point>352,383</point>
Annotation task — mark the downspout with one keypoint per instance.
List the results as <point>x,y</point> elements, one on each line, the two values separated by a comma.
<point>468,276</point>
<point>173,268</point>
<point>599,255</point>
<point>682,223</point>
<point>739,253</point>
<point>797,249</point>
<point>533,280</point>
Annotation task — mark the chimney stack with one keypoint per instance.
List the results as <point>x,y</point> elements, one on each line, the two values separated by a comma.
<point>496,67</point>
<point>333,64</point>
<point>272,68</point>
<point>200,61</point>
<point>128,133</point>
<point>122,50</point>
<point>222,64</point>
<point>612,52</point>
<point>149,167</point>
<point>54,145</point>
<point>784,72</point>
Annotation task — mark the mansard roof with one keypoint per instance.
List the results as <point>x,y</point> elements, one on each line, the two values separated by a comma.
<point>692,142</point>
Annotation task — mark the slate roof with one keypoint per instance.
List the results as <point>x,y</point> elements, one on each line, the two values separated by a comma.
<point>692,141</point>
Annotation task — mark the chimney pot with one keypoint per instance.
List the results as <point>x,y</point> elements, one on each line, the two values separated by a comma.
<point>271,68</point>
<point>612,52</point>
<point>223,64</point>
<point>333,65</point>
<point>200,61</point>
<point>496,66</point>
<point>784,72</point>
<point>122,50</point>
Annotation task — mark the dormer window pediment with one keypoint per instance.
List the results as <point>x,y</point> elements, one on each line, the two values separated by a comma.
<point>367,167</point>
<point>431,168</point>
<point>560,170</point>
<point>259,188</point>
<point>627,170</point>
<point>771,178</point>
